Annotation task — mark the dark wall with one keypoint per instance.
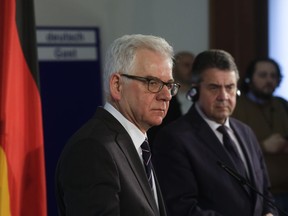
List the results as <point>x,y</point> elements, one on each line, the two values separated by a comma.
<point>241,28</point>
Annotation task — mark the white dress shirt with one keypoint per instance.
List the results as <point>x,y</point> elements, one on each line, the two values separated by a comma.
<point>136,135</point>
<point>214,125</point>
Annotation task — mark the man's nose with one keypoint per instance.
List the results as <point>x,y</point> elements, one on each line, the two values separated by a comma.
<point>165,94</point>
<point>223,94</point>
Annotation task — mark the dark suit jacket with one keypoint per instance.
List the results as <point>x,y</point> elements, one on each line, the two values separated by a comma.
<point>185,159</point>
<point>100,173</point>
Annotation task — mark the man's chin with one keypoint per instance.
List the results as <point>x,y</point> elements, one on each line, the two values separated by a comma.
<point>221,117</point>
<point>157,121</point>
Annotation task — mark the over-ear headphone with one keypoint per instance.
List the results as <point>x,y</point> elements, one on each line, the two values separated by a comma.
<point>238,93</point>
<point>193,94</point>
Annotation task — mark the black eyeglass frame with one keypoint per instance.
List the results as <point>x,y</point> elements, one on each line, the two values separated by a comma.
<point>173,87</point>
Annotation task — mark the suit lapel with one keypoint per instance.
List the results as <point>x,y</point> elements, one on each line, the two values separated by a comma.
<point>242,138</point>
<point>127,147</point>
<point>208,137</point>
<point>211,140</point>
<point>243,142</point>
<point>125,143</point>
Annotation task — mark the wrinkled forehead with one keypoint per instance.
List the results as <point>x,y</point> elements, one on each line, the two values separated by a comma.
<point>219,76</point>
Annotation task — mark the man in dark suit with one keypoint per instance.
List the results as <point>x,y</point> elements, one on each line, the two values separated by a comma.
<point>101,170</point>
<point>192,156</point>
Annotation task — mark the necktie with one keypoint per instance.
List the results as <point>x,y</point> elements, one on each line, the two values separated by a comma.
<point>232,151</point>
<point>146,155</point>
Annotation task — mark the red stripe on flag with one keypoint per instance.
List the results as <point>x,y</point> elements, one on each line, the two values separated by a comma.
<point>21,122</point>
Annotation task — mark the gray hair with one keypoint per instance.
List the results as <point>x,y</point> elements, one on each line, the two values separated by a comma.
<point>120,56</point>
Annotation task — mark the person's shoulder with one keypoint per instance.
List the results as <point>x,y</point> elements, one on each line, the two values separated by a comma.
<point>243,104</point>
<point>100,127</point>
<point>173,124</point>
<point>244,100</point>
<point>280,104</point>
<point>281,100</point>
<point>240,124</point>
<point>180,125</point>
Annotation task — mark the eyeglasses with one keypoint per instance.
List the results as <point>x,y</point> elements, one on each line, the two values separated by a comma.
<point>155,85</point>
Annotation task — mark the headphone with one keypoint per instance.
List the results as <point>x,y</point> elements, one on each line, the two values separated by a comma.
<point>193,94</point>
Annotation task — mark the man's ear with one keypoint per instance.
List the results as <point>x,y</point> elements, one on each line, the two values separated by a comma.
<point>115,86</point>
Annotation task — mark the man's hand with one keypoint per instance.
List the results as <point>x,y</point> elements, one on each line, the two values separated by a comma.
<point>275,144</point>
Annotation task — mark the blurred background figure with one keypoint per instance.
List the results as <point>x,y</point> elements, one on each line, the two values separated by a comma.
<point>182,73</point>
<point>267,115</point>
<point>179,104</point>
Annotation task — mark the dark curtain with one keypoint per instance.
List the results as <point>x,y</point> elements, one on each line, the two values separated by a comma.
<point>241,28</point>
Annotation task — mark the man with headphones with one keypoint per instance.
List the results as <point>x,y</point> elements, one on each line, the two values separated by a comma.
<point>267,115</point>
<point>205,159</point>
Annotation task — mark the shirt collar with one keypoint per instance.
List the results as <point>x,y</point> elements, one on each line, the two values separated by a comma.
<point>213,125</point>
<point>136,135</point>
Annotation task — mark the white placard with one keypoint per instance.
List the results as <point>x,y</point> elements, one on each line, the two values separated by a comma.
<point>72,53</point>
<point>58,36</point>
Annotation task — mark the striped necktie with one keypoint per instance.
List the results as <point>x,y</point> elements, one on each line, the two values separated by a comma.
<point>146,155</point>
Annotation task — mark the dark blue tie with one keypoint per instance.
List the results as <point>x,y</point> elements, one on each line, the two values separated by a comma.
<point>233,153</point>
<point>146,155</point>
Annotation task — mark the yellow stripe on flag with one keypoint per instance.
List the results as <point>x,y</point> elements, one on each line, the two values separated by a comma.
<point>4,191</point>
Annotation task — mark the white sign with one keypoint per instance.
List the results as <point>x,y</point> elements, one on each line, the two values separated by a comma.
<point>67,45</point>
<point>53,36</point>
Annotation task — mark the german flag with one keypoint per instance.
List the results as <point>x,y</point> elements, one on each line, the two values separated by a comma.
<point>22,167</point>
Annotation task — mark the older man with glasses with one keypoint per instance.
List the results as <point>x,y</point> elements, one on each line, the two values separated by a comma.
<point>105,168</point>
